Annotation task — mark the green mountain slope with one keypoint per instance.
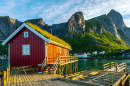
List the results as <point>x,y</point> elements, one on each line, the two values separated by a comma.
<point>89,42</point>
<point>95,38</point>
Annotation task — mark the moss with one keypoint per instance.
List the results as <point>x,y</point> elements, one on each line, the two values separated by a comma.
<point>48,35</point>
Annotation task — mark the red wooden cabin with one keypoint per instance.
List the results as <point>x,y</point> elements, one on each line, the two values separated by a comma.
<point>29,46</point>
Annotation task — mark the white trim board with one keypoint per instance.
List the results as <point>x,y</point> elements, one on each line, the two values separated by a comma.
<point>28,27</point>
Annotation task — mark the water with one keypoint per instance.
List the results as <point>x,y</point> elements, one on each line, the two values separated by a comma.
<point>87,64</point>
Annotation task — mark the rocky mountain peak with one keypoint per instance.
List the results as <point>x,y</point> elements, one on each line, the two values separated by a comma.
<point>76,23</point>
<point>117,19</point>
<point>38,22</point>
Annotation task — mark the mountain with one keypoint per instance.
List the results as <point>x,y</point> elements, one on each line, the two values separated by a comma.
<point>106,32</point>
<point>7,26</point>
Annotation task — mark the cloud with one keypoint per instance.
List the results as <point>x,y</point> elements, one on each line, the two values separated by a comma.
<point>58,11</point>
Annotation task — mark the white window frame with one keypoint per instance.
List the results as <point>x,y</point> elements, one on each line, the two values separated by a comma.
<point>25,53</point>
<point>26,33</point>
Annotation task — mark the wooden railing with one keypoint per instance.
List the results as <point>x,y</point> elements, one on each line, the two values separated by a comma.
<point>62,60</point>
<point>115,65</point>
<point>56,65</point>
<point>65,59</point>
<point>6,77</point>
<point>43,64</point>
<point>122,65</point>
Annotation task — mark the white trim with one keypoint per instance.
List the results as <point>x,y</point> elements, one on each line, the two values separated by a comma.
<point>28,27</point>
<point>39,72</point>
<point>45,52</point>
<point>8,54</point>
<point>27,34</point>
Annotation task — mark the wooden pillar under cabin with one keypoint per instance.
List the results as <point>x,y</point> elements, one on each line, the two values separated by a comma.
<point>59,69</point>
<point>73,67</point>
<point>68,72</point>
<point>65,69</point>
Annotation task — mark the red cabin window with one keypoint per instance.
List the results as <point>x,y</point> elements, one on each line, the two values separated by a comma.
<point>25,34</point>
<point>26,49</point>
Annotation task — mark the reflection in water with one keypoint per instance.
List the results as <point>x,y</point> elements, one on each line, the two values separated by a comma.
<point>87,64</point>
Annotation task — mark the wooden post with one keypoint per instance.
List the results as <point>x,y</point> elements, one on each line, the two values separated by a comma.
<point>116,66</point>
<point>7,74</point>
<point>77,66</point>
<point>9,71</point>
<point>5,81</point>
<point>65,69</point>
<point>73,67</point>
<point>110,65</point>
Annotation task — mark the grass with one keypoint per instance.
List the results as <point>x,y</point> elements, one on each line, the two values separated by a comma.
<point>48,35</point>
<point>88,42</point>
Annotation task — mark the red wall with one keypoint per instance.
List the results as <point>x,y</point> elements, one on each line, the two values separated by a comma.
<point>37,49</point>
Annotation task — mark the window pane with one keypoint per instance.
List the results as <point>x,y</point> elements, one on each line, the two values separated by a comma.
<point>26,49</point>
<point>25,34</point>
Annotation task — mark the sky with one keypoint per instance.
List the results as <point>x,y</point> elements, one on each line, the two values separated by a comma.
<point>59,11</point>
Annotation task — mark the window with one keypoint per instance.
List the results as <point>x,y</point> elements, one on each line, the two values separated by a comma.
<point>26,49</point>
<point>25,34</point>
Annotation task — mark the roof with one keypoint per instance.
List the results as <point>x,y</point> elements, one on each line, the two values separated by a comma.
<point>41,33</point>
<point>80,53</point>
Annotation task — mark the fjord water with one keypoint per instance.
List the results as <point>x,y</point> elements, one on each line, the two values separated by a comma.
<point>88,64</point>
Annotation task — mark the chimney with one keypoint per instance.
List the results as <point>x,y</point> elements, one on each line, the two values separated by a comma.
<point>51,31</point>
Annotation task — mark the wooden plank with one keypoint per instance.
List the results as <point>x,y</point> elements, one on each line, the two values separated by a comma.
<point>117,83</point>
<point>31,78</point>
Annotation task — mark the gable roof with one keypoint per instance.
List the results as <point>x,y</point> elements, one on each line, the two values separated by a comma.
<point>41,33</point>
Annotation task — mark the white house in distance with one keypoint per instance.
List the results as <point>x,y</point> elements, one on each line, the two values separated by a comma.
<point>102,52</point>
<point>81,55</point>
<point>94,52</point>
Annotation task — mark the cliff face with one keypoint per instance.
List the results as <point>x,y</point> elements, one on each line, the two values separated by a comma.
<point>76,23</point>
<point>97,30</point>
<point>7,26</point>
<point>122,29</point>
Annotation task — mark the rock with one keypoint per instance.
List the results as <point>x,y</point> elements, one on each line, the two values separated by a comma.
<point>76,23</point>
<point>7,26</point>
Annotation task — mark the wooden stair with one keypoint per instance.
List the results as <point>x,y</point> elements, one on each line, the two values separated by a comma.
<point>48,70</point>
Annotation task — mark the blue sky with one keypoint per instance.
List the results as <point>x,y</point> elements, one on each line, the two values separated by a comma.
<point>59,11</point>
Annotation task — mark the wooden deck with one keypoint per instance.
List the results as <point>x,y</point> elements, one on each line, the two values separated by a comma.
<point>34,79</point>
<point>84,78</point>
<point>98,78</point>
